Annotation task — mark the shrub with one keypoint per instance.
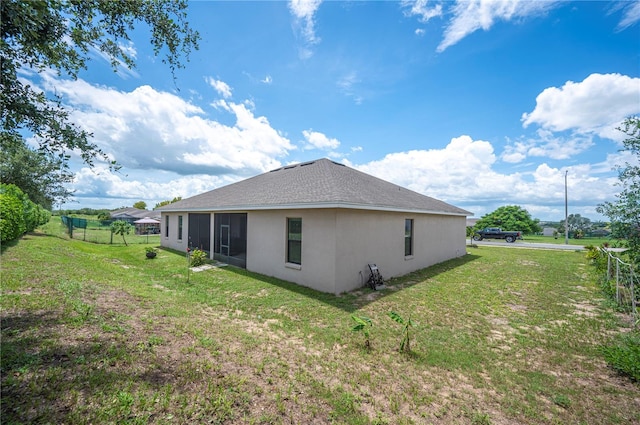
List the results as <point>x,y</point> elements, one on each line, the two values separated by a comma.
<point>198,257</point>
<point>18,214</point>
<point>597,257</point>
<point>11,218</point>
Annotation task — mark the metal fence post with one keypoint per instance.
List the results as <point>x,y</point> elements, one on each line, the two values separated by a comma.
<point>634,301</point>
<point>618,282</point>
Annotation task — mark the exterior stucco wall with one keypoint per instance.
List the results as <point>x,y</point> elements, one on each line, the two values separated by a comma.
<point>267,245</point>
<point>365,237</point>
<point>338,244</point>
<point>172,240</point>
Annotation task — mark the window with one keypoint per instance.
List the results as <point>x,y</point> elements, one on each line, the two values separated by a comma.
<point>408,237</point>
<point>294,240</point>
<point>179,227</point>
<point>166,227</point>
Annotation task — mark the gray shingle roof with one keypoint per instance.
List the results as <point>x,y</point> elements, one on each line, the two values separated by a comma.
<point>133,213</point>
<point>315,184</point>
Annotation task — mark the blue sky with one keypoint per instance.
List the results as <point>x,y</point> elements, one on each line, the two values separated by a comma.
<point>478,103</point>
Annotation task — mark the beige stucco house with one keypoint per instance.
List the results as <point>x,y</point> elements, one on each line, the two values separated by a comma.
<point>318,224</point>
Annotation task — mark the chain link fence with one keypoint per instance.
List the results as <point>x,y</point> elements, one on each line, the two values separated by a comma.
<point>99,231</point>
<point>624,283</point>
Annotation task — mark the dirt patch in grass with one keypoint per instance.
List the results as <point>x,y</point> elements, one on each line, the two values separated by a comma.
<point>585,308</point>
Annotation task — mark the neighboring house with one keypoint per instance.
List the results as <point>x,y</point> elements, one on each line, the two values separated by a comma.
<point>318,224</point>
<point>600,233</point>
<point>133,214</point>
<point>472,222</point>
<point>549,231</point>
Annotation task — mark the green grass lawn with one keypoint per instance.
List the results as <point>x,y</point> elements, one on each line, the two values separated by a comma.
<point>100,334</point>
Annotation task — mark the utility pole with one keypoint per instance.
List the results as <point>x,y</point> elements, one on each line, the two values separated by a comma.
<point>566,211</point>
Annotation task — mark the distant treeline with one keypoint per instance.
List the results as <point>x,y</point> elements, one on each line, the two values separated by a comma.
<point>81,211</point>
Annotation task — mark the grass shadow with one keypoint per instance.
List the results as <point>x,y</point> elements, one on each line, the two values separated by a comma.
<point>7,245</point>
<point>25,237</point>
<point>361,297</point>
<point>39,363</point>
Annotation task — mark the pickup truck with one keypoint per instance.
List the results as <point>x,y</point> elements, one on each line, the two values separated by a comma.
<point>496,233</point>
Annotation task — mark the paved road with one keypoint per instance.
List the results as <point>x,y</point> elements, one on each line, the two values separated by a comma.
<point>529,245</point>
<point>532,245</point>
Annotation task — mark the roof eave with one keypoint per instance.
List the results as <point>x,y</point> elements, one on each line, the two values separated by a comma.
<point>317,205</point>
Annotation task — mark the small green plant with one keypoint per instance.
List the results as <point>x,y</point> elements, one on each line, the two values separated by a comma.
<point>479,418</point>
<point>124,400</point>
<point>198,257</point>
<point>155,340</point>
<point>362,325</point>
<point>83,309</point>
<point>151,252</point>
<point>562,401</point>
<point>406,340</point>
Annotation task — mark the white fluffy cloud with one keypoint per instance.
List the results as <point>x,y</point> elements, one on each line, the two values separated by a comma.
<point>547,145</point>
<point>316,140</point>
<point>149,129</point>
<point>102,189</point>
<point>448,172</point>
<point>464,174</point>
<point>220,86</point>
<point>595,105</point>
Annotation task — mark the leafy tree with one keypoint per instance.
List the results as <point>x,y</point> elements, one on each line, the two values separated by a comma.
<point>577,225</point>
<point>141,205</point>
<point>59,35</point>
<point>40,176</point>
<point>163,203</point>
<point>510,218</point>
<point>121,227</point>
<point>625,212</point>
